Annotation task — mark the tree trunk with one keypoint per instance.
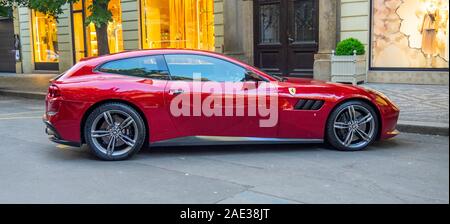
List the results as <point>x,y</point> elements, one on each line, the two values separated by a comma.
<point>102,39</point>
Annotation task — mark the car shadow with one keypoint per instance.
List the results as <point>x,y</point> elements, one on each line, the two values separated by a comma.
<point>69,153</point>
<point>388,144</point>
<point>72,153</point>
<point>229,149</point>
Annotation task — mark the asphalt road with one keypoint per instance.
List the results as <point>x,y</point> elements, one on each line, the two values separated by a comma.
<point>408,169</point>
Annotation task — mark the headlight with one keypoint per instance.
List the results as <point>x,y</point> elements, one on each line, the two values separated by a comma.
<point>376,92</point>
<point>382,95</point>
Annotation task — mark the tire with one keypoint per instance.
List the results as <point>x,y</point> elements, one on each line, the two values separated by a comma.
<point>114,131</point>
<point>352,129</point>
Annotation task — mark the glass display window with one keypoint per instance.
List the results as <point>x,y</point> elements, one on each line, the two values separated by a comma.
<point>411,34</point>
<point>177,24</point>
<point>85,37</point>
<point>45,41</point>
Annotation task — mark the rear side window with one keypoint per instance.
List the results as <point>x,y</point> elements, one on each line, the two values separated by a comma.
<point>152,67</point>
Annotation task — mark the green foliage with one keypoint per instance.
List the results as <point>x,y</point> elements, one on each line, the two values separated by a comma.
<point>10,3</point>
<point>347,46</point>
<point>5,11</point>
<point>6,6</point>
<point>100,13</point>
<point>49,7</point>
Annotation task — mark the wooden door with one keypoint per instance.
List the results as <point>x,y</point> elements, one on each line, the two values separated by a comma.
<point>7,53</point>
<point>286,36</point>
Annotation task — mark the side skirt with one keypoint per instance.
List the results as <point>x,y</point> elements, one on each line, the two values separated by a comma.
<point>219,140</point>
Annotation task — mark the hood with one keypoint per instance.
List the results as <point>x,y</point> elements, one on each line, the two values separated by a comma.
<point>304,85</point>
<point>304,82</point>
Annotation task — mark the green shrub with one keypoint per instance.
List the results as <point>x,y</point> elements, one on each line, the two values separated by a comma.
<point>5,11</point>
<point>347,46</point>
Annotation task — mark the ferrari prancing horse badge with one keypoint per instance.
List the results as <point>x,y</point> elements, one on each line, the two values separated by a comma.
<point>292,91</point>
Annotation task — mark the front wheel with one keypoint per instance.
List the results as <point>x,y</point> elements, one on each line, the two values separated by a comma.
<point>114,131</point>
<point>352,126</point>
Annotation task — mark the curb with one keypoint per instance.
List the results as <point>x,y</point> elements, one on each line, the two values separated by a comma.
<point>23,94</point>
<point>427,128</point>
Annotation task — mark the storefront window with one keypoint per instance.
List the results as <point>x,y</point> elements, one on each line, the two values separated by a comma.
<point>45,42</point>
<point>78,35</point>
<point>178,24</point>
<point>85,37</point>
<point>410,34</point>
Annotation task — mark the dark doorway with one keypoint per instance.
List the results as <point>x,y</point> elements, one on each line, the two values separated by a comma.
<point>7,53</point>
<point>286,36</point>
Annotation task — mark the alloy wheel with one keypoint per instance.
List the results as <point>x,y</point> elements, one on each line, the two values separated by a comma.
<point>114,132</point>
<point>354,126</point>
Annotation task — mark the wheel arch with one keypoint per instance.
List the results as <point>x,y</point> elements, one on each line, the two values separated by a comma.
<point>97,104</point>
<point>362,99</point>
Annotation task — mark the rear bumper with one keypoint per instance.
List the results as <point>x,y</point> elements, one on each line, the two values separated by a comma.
<point>51,131</point>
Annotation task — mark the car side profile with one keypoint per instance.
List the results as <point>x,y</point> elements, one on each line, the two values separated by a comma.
<point>120,103</point>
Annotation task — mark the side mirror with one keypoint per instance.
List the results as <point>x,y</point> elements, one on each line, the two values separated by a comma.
<point>250,85</point>
<point>250,76</point>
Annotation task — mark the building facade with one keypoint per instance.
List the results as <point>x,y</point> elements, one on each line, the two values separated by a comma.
<point>283,37</point>
<point>406,40</point>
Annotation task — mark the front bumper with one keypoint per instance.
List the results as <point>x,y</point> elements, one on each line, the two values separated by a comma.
<point>389,119</point>
<point>51,131</point>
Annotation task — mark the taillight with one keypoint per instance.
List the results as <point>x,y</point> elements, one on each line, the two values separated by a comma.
<point>53,91</point>
<point>53,103</point>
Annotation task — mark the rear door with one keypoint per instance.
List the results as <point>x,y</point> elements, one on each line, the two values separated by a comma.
<point>144,80</point>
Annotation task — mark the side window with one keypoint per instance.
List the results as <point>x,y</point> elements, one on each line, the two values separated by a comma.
<point>184,67</point>
<point>152,67</point>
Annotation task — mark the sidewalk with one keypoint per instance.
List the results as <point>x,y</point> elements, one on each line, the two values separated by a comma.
<point>25,85</point>
<point>424,108</point>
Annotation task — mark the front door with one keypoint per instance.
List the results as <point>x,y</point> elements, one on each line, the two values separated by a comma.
<point>286,36</point>
<point>209,96</point>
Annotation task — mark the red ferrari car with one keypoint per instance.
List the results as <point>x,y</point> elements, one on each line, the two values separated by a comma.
<point>120,103</point>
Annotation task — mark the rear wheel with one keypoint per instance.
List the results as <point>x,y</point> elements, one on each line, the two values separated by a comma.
<point>114,131</point>
<point>352,126</point>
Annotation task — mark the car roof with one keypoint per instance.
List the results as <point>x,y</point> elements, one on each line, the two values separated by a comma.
<point>138,53</point>
<point>88,64</point>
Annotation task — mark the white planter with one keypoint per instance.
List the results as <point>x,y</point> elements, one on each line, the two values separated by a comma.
<point>348,69</point>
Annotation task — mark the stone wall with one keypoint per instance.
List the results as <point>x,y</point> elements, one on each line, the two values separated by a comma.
<point>238,19</point>
<point>409,77</point>
<point>355,22</point>
<point>327,38</point>
<point>130,24</point>
<point>65,40</point>
<point>219,25</point>
<point>25,39</point>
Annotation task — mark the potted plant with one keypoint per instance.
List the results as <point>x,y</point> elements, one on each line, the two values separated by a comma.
<point>348,62</point>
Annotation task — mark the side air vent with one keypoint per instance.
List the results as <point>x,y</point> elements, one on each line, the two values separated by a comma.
<point>309,104</point>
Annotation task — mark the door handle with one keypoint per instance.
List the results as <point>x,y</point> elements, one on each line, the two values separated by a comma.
<point>175,92</point>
